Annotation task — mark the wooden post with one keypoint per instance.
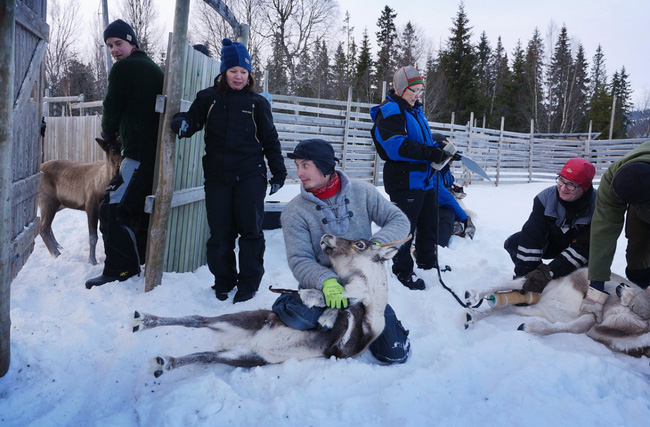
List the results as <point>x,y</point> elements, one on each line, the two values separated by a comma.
<point>167,139</point>
<point>611,120</point>
<point>499,152</point>
<point>530,151</point>
<point>346,131</point>
<point>588,141</point>
<point>375,178</point>
<point>7,71</point>
<point>107,51</point>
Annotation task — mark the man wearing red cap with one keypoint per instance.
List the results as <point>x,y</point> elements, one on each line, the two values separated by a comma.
<point>623,199</point>
<point>557,229</point>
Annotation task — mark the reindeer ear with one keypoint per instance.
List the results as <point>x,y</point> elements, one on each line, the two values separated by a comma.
<point>387,252</point>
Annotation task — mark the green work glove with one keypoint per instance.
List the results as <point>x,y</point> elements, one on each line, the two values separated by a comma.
<point>333,290</point>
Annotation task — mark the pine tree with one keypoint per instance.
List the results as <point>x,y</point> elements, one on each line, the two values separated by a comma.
<point>277,69</point>
<point>407,46</point>
<point>364,72</point>
<point>322,73</point>
<point>559,79</point>
<point>600,102</point>
<point>340,78</point>
<point>484,75</point>
<point>578,94</point>
<point>499,97</point>
<point>386,39</point>
<point>621,89</point>
<point>305,81</point>
<point>516,96</point>
<point>435,107</point>
<point>534,77</point>
<point>458,62</point>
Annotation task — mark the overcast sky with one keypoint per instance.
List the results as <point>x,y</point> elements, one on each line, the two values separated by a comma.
<point>620,27</point>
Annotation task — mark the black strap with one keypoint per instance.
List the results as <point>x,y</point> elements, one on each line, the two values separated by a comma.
<point>447,268</point>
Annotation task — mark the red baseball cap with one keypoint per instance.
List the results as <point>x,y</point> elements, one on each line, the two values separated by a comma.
<point>580,171</point>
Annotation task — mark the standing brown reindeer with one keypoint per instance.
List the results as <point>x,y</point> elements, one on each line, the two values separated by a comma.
<point>76,185</point>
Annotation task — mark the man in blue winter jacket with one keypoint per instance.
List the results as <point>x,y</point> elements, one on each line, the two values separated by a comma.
<point>413,157</point>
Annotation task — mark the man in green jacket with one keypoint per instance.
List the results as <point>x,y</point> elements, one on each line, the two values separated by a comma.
<point>623,198</point>
<point>129,113</point>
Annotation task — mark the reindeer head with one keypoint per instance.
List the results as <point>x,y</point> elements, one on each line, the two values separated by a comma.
<point>110,147</point>
<point>352,256</point>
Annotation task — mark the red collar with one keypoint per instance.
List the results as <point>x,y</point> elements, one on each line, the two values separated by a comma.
<point>328,190</point>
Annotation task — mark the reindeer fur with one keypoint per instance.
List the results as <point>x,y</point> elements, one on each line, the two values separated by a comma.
<point>76,185</point>
<point>560,310</point>
<point>254,338</point>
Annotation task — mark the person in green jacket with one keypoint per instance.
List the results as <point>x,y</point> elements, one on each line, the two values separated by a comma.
<point>129,114</point>
<point>623,199</point>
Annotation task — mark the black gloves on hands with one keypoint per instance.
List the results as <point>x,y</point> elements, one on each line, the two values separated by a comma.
<point>180,126</point>
<point>537,279</point>
<point>275,186</point>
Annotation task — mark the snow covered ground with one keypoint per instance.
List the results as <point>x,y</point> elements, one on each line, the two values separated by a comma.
<point>75,361</point>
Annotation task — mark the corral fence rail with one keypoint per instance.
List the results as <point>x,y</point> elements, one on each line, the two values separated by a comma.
<point>507,157</point>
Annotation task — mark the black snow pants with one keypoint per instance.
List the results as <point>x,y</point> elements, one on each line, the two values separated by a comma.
<point>122,219</point>
<point>236,209</point>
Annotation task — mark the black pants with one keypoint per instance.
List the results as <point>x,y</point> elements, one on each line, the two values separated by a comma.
<point>430,225</point>
<point>236,209</point>
<point>637,253</point>
<point>122,220</point>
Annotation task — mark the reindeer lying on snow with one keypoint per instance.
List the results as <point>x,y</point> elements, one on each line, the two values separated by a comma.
<point>560,310</point>
<point>255,338</point>
<point>75,185</point>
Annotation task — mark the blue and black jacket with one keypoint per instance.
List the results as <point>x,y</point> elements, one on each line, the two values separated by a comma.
<point>556,230</point>
<point>403,139</point>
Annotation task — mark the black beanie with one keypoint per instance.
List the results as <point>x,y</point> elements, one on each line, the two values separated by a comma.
<point>121,30</point>
<point>631,183</point>
<point>318,151</point>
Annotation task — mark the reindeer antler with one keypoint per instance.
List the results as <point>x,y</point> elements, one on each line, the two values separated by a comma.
<point>397,242</point>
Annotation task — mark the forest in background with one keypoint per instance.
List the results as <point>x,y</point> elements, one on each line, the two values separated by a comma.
<point>307,50</point>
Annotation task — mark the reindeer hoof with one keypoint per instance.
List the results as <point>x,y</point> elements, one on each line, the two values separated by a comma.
<point>468,320</point>
<point>158,366</point>
<point>136,322</point>
<point>522,327</point>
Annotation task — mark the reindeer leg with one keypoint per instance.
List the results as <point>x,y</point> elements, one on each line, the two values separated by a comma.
<point>543,327</point>
<point>473,315</point>
<point>142,321</point>
<point>160,364</point>
<point>48,210</point>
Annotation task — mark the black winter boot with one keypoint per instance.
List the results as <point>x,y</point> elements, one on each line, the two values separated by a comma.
<point>104,279</point>
<point>411,281</point>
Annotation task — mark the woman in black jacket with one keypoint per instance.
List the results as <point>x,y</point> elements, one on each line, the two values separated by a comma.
<point>239,133</point>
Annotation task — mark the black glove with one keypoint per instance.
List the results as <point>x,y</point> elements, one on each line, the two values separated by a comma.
<point>275,186</point>
<point>457,157</point>
<point>180,126</point>
<point>537,279</point>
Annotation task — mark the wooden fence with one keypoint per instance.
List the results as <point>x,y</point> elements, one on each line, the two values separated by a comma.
<point>507,157</point>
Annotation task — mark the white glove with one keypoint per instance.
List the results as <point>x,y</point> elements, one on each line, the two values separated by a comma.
<point>450,149</point>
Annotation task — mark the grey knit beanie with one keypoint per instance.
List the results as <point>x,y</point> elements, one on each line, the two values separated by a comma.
<point>406,77</point>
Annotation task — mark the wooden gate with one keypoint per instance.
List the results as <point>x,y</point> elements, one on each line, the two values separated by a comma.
<point>23,41</point>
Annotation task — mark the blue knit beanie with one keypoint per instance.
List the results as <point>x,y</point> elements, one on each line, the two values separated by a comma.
<point>121,30</point>
<point>234,54</point>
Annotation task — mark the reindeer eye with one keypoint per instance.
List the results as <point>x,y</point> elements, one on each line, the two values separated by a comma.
<point>360,245</point>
